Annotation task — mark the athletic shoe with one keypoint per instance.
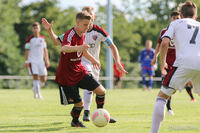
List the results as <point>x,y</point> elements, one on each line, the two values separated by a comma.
<point>193,100</point>
<point>171,112</point>
<point>77,124</point>
<point>112,120</point>
<point>86,116</point>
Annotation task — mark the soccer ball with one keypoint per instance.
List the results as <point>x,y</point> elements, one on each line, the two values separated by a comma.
<point>100,117</point>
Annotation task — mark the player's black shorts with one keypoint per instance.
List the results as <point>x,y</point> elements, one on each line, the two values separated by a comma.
<point>70,95</point>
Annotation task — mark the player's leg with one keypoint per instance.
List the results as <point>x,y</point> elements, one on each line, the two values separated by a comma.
<point>87,99</point>
<point>150,82</point>
<point>188,88</point>
<point>36,81</point>
<point>118,83</point>
<point>70,95</point>
<point>169,109</point>
<point>144,79</point>
<point>175,79</point>
<point>42,73</point>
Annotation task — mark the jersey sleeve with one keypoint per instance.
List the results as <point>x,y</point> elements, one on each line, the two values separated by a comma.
<point>169,32</point>
<point>60,38</point>
<point>161,34</point>
<point>27,45</point>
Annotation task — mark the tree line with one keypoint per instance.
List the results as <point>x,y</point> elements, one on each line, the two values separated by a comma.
<point>133,24</point>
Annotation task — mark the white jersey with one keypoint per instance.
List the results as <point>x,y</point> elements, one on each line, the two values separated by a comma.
<point>94,39</point>
<point>187,42</point>
<point>36,46</point>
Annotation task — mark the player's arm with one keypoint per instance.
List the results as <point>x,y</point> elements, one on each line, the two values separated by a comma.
<point>88,56</point>
<point>69,49</point>
<point>155,57</point>
<point>163,54</point>
<point>26,58</point>
<point>49,28</point>
<point>116,57</point>
<point>46,57</point>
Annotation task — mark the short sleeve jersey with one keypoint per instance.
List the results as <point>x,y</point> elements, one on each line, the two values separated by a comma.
<point>94,38</point>
<point>187,42</point>
<point>171,52</point>
<point>70,70</point>
<point>36,46</point>
<point>146,57</point>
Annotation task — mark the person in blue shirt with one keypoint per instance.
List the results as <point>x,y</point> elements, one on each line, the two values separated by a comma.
<point>145,58</point>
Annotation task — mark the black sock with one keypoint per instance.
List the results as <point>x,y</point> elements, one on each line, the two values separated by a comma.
<point>169,104</point>
<point>75,113</point>
<point>188,89</point>
<point>100,100</point>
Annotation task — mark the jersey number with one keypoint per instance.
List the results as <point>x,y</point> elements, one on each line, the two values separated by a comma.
<point>192,41</point>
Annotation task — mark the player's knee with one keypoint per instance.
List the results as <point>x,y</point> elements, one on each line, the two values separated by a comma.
<point>100,90</point>
<point>166,92</point>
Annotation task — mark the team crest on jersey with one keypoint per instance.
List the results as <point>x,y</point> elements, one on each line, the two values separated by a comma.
<point>94,37</point>
<point>172,43</point>
<point>79,53</point>
<point>92,45</point>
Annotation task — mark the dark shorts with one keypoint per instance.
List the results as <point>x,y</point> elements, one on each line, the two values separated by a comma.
<point>70,95</point>
<point>117,79</point>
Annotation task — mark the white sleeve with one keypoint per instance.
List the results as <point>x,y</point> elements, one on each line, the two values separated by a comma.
<point>27,45</point>
<point>170,31</point>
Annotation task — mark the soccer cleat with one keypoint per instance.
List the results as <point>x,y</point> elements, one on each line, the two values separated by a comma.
<point>86,116</point>
<point>77,124</point>
<point>193,100</point>
<point>171,112</point>
<point>112,120</point>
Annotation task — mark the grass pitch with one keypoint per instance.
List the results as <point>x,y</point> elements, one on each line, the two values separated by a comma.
<point>132,108</point>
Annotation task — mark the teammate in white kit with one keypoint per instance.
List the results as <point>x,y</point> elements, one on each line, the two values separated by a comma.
<point>93,37</point>
<point>186,66</point>
<point>35,54</point>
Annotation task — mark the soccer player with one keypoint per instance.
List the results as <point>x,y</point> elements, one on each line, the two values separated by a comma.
<point>117,75</point>
<point>35,54</point>
<point>171,55</point>
<point>186,66</point>
<point>94,36</point>
<point>145,58</point>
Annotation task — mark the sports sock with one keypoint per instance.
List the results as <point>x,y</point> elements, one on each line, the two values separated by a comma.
<point>87,99</point>
<point>158,114</point>
<point>75,113</point>
<point>100,100</point>
<point>169,104</point>
<point>188,89</point>
<point>150,83</point>
<point>144,80</point>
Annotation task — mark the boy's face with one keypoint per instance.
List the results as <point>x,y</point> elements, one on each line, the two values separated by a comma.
<point>36,29</point>
<point>83,25</point>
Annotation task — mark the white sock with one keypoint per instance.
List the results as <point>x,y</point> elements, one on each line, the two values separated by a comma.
<point>158,114</point>
<point>36,84</point>
<point>87,99</point>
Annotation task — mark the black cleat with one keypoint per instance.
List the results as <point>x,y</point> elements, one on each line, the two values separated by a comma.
<point>86,116</point>
<point>77,124</point>
<point>112,120</point>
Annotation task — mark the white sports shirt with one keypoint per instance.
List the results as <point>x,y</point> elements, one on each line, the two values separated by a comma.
<point>187,42</point>
<point>36,46</point>
<point>94,39</point>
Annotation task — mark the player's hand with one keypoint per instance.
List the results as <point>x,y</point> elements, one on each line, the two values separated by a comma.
<point>96,64</point>
<point>121,68</point>
<point>154,61</point>
<point>46,24</point>
<point>47,64</point>
<point>85,47</point>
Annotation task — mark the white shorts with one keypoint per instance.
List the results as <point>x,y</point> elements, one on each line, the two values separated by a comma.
<point>177,77</point>
<point>89,67</point>
<point>37,69</point>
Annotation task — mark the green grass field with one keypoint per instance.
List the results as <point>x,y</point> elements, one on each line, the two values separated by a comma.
<point>132,108</point>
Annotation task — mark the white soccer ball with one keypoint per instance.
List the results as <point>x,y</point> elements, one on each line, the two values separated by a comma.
<point>100,117</point>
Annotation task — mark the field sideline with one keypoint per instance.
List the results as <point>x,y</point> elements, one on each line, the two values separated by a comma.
<point>132,108</point>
